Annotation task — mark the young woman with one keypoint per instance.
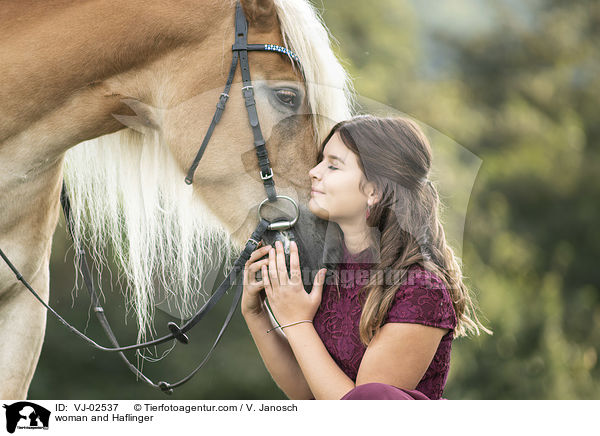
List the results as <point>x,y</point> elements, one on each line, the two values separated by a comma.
<point>394,299</point>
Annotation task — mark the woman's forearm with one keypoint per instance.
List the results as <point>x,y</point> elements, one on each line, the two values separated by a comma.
<point>325,378</point>
<point>278,357</point>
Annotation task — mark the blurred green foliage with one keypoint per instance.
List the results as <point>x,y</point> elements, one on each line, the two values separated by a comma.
<point>523,95</point>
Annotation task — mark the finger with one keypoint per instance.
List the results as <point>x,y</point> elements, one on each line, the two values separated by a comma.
<point>295,275</point>
<point>266,281</point>
<point>281,268</point>
<point>246,279</point>
<point>258,287</point>
<point>258,253</point>
<point>273,279</point>
<point>256,266</point>
<point>320,278</point>
<point>251,284</point>
<point>253,270</point>
<point>249,278</point>
<point>317,289</point>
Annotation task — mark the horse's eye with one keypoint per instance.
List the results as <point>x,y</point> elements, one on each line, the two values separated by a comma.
<point>287,97</point>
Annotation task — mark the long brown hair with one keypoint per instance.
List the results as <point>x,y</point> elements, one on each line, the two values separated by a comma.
<point>395,155</point>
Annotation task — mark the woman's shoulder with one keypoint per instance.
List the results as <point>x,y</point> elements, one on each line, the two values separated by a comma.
<point>418,276</point>
<point>423,298</point>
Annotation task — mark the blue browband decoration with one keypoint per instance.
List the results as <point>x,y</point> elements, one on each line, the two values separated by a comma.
<point>273,47</point>
<point>280,49</point>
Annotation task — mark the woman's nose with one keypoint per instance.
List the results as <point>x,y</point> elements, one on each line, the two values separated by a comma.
<point>315,172</point>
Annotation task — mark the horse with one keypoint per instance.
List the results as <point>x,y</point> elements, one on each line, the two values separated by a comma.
<point>114,99</point>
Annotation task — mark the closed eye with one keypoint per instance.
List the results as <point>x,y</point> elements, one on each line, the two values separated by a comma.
<point>331,167</point>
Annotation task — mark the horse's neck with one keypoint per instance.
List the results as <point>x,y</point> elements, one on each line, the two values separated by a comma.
<point>65,66</point>
<point>59,57</point>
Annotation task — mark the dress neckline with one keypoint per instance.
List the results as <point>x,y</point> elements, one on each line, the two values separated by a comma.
<point>364,256</point>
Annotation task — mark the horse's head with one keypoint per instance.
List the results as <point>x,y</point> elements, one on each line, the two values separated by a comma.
<point>228,178</point>
<point>173,229</point>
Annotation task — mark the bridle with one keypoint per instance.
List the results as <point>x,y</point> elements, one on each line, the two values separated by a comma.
<point>240,54</point>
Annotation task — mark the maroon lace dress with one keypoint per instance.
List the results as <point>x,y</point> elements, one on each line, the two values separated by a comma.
<point>421,299</point>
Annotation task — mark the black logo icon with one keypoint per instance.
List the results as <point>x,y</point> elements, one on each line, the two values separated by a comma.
<point>26,415</point>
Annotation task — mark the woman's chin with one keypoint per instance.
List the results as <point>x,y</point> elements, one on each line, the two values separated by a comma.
<point>317,210</point>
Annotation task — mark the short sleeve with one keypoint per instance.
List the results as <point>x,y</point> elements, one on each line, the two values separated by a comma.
<point>423,299</point>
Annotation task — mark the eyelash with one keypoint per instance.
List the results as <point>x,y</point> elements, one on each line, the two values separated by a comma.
<point>332,167</point>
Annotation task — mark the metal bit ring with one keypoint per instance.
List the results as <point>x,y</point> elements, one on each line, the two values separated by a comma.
<point>281,225</point>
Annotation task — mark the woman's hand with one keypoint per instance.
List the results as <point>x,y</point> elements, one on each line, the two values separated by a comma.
<point>287,298</point>
<point>253,296</point>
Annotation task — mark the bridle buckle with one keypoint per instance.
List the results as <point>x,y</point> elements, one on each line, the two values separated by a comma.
<point>268,176</point>
<point>222,101</point>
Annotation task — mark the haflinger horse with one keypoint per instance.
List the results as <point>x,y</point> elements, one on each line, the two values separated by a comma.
<point>117,96</point>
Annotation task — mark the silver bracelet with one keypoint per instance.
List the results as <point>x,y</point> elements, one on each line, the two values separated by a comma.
<point>284,326</point>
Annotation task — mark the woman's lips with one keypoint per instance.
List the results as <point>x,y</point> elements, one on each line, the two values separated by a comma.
<point>312,192</point>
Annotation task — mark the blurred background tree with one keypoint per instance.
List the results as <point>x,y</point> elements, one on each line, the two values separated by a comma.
<point>518,85</point>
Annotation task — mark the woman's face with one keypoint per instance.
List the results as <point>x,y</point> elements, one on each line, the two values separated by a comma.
<point>335,194</point>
